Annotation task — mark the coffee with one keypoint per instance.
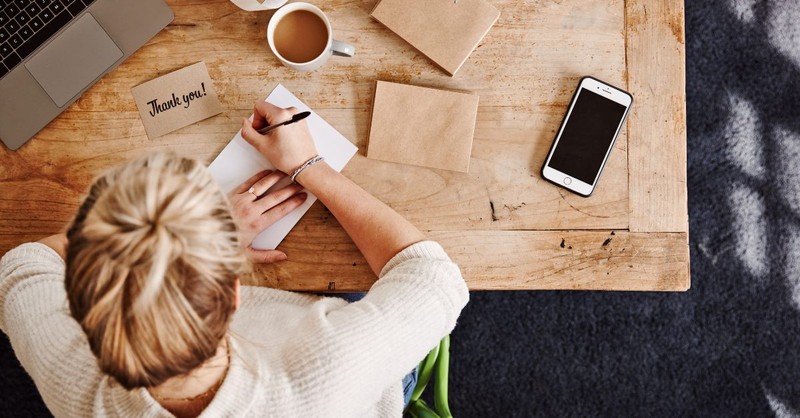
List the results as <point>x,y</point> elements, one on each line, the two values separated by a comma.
<point>300,36</point>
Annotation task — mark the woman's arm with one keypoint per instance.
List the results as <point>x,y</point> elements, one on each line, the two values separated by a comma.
<point>371,343</point>
<point>377,230</point>
<point>48,342</point>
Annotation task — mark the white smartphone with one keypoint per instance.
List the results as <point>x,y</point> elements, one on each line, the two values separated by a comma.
<point>583,143</point>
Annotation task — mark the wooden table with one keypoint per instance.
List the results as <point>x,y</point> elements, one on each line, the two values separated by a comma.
<point>504,225</point>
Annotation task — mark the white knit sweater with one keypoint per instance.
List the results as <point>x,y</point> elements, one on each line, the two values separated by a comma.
<point>293,355</point>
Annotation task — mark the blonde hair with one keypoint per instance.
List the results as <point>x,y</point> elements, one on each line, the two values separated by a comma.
<point>152,261</point>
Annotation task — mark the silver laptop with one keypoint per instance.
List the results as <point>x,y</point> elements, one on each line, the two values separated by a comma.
<point>51,51</point>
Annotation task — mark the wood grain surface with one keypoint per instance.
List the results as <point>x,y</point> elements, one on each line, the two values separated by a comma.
<point>658,195</point>
<point>494,260</point>
<point>500,213</point>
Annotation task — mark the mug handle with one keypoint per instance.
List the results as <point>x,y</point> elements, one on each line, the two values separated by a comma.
<point>342,49</point>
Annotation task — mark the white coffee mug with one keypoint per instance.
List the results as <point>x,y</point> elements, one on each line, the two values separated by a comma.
<point>333,46</point>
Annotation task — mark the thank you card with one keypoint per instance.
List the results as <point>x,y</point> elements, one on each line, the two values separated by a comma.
<point>177,99</point>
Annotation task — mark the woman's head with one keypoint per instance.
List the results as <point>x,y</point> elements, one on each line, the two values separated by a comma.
<point>152,263</point>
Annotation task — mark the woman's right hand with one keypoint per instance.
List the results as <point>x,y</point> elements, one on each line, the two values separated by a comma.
<point>286,147</point>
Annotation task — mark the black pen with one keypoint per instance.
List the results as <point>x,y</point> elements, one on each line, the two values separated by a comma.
<point>296,118</point>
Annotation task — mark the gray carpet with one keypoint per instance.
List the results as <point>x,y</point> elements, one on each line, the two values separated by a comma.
<point>728,347</point>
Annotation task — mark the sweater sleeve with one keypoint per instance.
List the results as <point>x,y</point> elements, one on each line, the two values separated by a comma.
<point>46,339</point>
<point>360,349</point>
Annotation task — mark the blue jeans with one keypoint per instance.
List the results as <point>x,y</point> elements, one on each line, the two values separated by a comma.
<point>409,383</point>
<point>409,380</point>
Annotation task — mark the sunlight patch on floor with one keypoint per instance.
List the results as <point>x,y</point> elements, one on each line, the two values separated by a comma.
<point>784,30</point>
<point>750,229</point>
<point>743,135</point>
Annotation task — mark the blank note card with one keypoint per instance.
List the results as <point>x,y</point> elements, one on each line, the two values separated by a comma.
<point>239,161</point>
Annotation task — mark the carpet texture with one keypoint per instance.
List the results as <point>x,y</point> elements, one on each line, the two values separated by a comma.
<point>729,346</point>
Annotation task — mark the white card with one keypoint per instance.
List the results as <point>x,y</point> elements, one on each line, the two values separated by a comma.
<point>239,161</point>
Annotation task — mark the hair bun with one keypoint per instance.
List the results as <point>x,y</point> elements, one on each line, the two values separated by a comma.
<point>152,259</point>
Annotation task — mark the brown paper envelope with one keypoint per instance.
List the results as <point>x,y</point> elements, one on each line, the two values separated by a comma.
<point>177,99</point>
<point>446,31</point>
<point>422,126</point>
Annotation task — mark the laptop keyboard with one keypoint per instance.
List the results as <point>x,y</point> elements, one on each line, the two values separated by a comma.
<point>27,24</point>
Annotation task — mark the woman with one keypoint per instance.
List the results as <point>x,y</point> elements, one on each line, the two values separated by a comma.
<point>154,323</point>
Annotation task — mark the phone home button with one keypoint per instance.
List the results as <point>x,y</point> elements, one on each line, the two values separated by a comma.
<point>567,181</point>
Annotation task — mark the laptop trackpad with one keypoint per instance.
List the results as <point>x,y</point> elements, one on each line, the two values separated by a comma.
<point>74,59</point>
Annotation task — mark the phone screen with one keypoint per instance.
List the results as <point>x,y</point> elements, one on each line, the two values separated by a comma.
<point>588,134</point>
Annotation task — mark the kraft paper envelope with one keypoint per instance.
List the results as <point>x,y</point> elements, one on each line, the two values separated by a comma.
<point>422,126</point>
<point>177,99</point>
<point>446,31</point>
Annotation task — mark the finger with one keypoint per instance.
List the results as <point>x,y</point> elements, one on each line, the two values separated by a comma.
<point>265,256</point>
<point>277,197</point>
<point>263,114</point>
<point>251,181</point>
<point>276,213</point>
<point>250,135</point>
<point>266,114</point>
<point>262,185</point>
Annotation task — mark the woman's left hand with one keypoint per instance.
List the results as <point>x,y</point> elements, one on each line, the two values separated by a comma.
<point>254,210</point>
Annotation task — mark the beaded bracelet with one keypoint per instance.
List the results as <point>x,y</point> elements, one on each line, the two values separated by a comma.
<point>305,165</point>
